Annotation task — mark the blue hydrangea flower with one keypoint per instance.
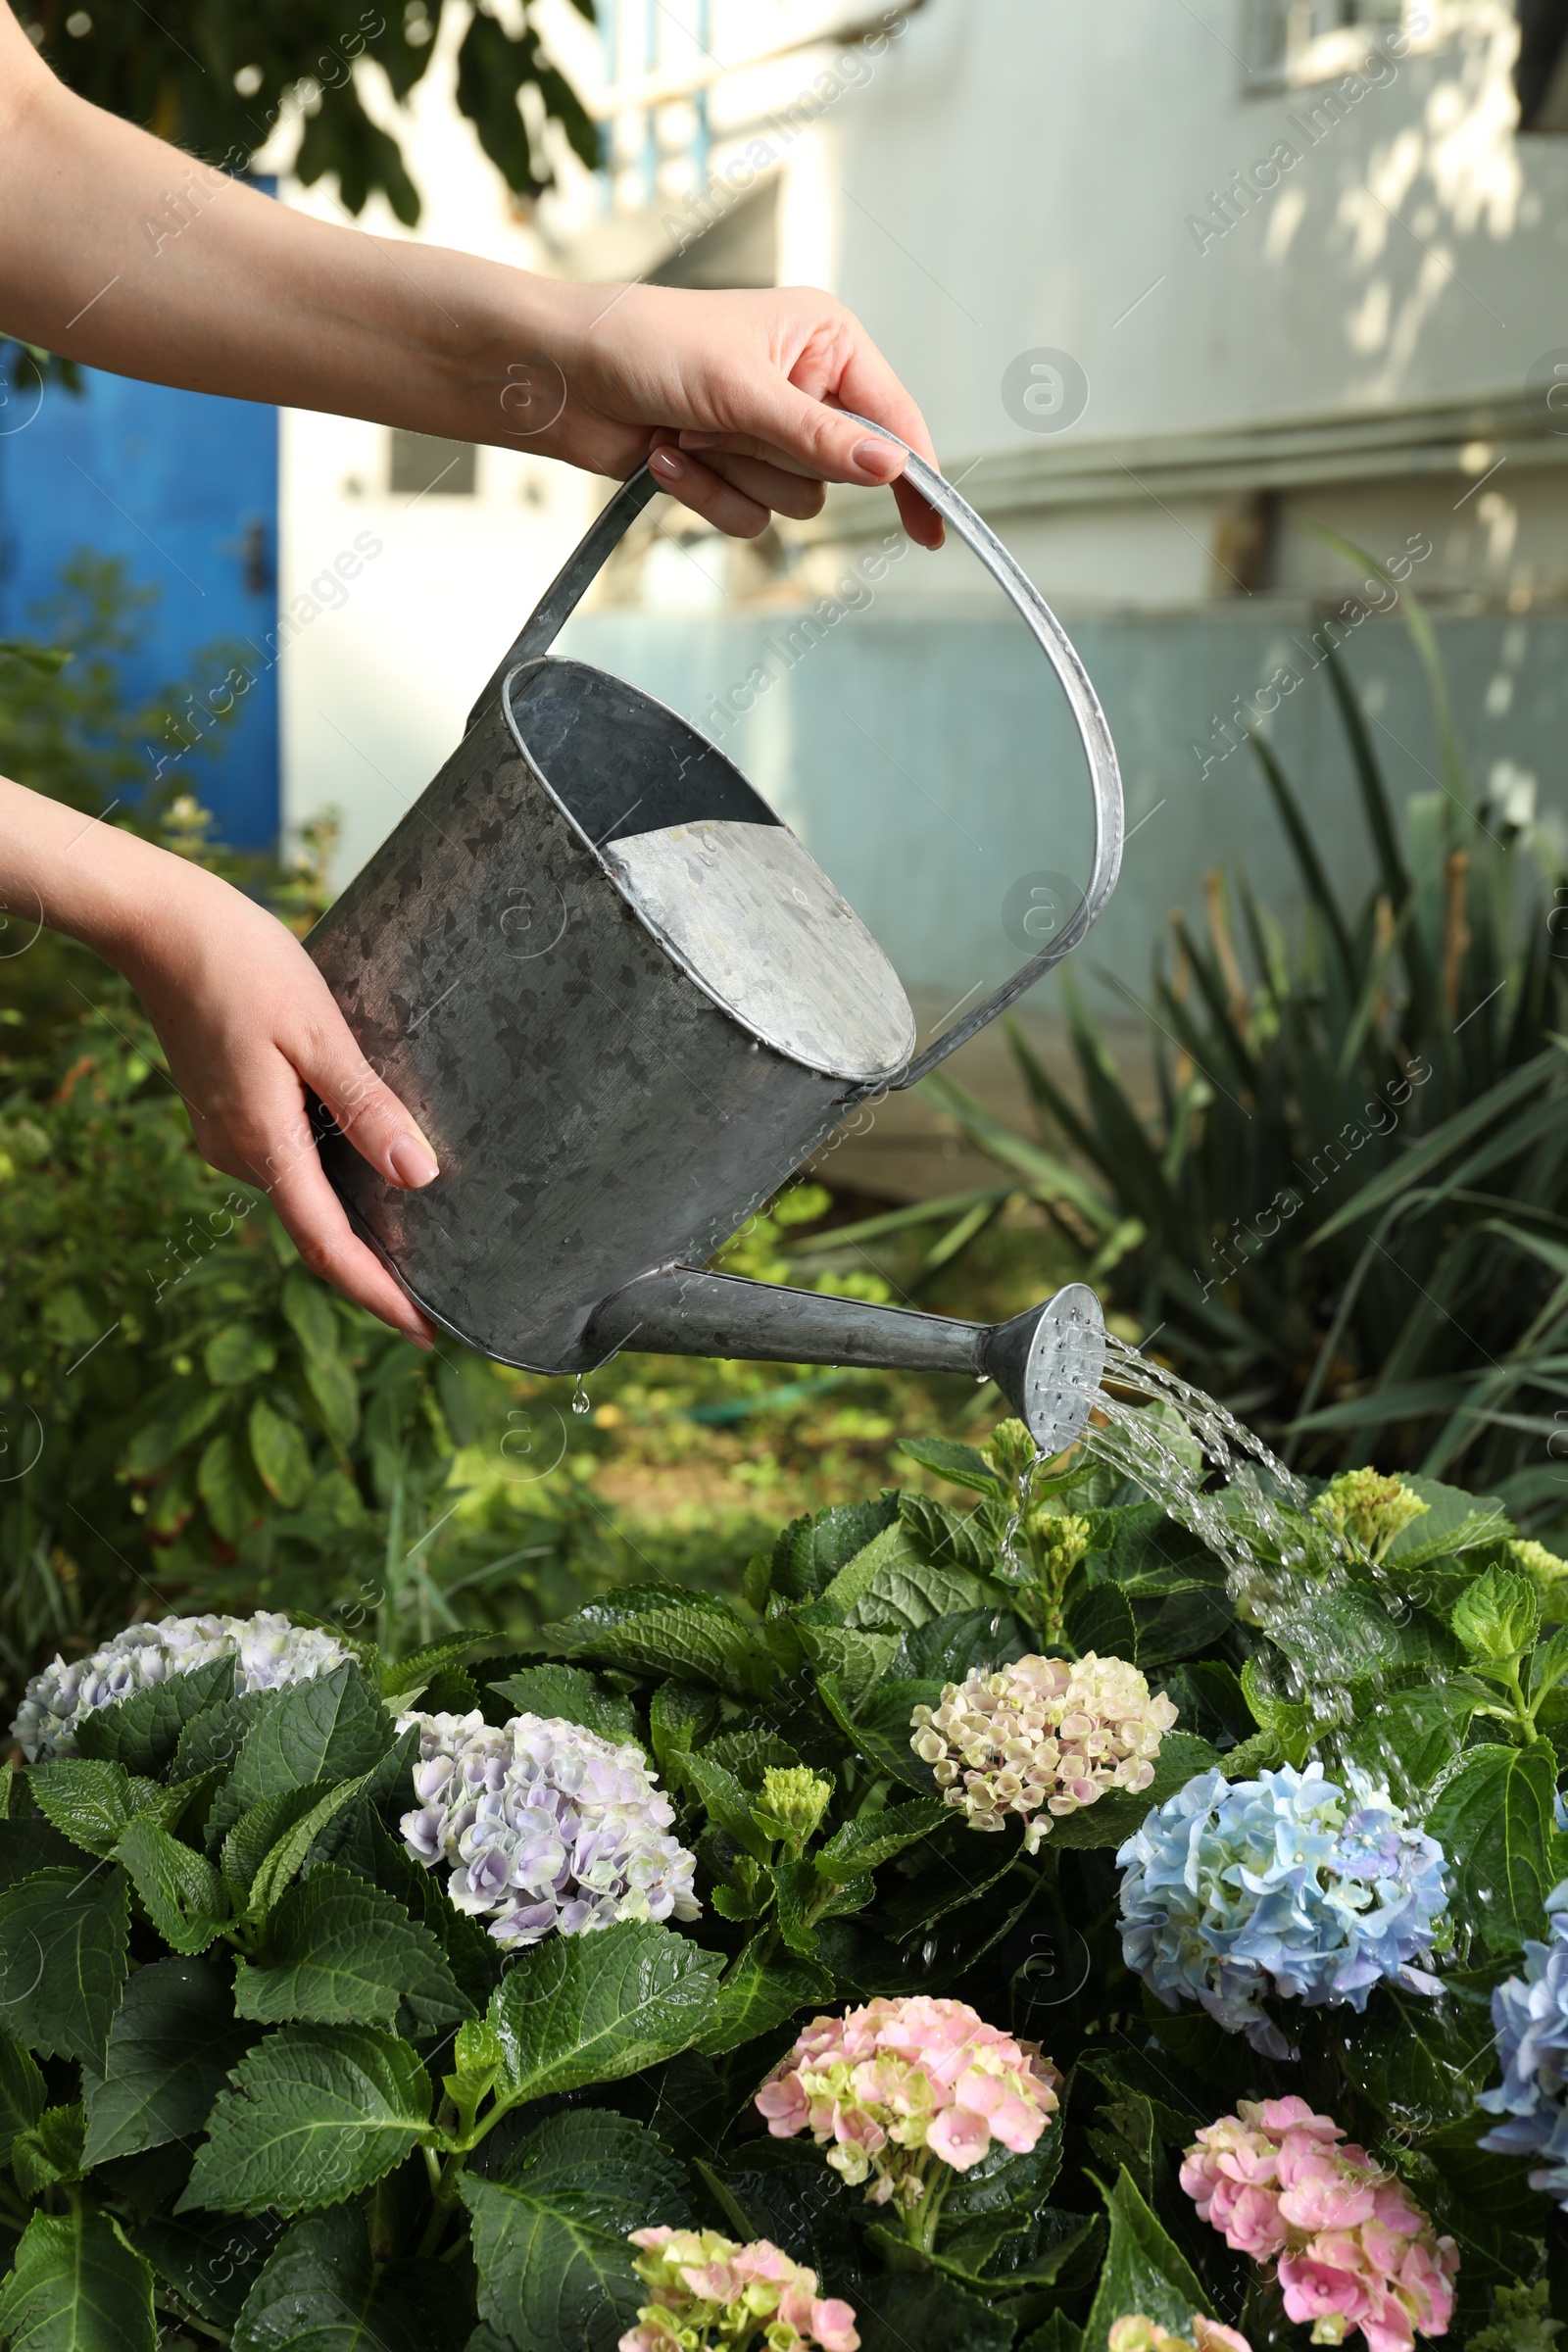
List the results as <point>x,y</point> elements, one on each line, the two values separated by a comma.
<point>1286,1885</point>
<point>1531,2016</point>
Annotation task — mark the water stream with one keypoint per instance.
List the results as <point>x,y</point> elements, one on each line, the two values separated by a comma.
<point>1221,1482</point>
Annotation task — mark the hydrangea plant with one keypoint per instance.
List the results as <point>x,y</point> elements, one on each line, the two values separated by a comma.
<point>433,1999</point>
<point>1285,1888</point>
<point>1530,2017</point>
<point>268,1652</point>
<point>543,1827</point>
<point>1042,1737</point>
<point>1349,2244</point>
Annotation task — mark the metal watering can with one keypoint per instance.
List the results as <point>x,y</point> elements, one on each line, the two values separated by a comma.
<point>625,1005</point>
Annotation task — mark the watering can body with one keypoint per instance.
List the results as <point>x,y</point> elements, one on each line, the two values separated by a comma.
<point>625,1006</point>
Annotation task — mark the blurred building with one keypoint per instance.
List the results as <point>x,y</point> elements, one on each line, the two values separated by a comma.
<point>1199,301</point>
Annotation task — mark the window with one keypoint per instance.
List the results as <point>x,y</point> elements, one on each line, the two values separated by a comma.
<point>1305,38</point>
<point>422,461</point>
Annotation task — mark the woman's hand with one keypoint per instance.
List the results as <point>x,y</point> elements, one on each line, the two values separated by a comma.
<point>245,1018</point>
<point>734,399</point>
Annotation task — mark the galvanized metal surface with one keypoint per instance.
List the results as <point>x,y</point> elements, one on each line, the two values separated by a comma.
<point>1046,1361</point>
<point>583,962</point>
<point>752,915</point>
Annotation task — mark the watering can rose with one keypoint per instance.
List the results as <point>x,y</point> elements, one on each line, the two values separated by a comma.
<point>1042,1737</point>
<point>887,2088</point>
<point>1236,1890</point>
<point>1351,2246</point>
<point>544,1826</point>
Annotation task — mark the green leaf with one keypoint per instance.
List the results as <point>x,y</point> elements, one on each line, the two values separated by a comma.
<point>283,1861</point>
<point>143,1731</point>
<point>759,1995</point>
<point>50,2154</point>
<point>170,2053</point>
<point>796,1893</point>
<point>892,1587</point>
<point>867,1844</point>
<point>63,1959</point>
<point>331,1382</point>
<point>1409,1738</point>
<point>1099,1618</point>
<point>338,1951</point>
<point>258,1829</point>
<point>78,2286</point>
<point>964,1465</point>
<point>211,1739</point>
<point>27,1844</point>
<point>550,2235</point>
<point>315,2113</point>
<point>664,1628</point>
<point>280,1454</point>
<point>1144,2270</point>
<point>902,2309</point>
<point>725,1802</point>
<point>331,1729</point>
<point>185,1897</point>
<point>809,1553</point>
<point>680,1716</point>
<point>880,1726</point>
<point>224,1485</point>
<point>90,1802</point>
<point>22,2092</point>
<point>1494,1820</point>
<point>1293,1725</point>
<point>411,1673</point>
<point>212,2264</point>
<point>572,1694</point>
<point>1497,1616</point>
<point>308,1311</point>
<point>1117,1815</point>
<point>236,1354</point>
<point>322,2291</point>
<point>857,1660</point>
<point>575,2011</point>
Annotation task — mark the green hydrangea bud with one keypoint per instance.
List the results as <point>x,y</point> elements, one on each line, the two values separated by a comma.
<point>1543,1567</point>
<point>1367,1509</point>
<point>1061,1538</point>
<point>1010,1450</point>
<point>795,1798</point>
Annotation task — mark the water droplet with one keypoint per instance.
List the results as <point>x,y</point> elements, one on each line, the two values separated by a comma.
<point>579,1398</point>
<point>928,1952</point>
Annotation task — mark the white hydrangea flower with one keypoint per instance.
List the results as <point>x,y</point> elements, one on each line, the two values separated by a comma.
<point>1042,1737</point>
<point>544,1826</point>
<point>267,1651</point>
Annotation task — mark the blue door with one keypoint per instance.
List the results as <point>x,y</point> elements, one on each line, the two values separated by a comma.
<point>183,485</point>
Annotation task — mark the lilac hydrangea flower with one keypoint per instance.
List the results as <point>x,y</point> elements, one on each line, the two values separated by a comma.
<point>1233,1891</point>
<point>544,1826</point>
<point>1530,2017</point>
<point>266,1649</point>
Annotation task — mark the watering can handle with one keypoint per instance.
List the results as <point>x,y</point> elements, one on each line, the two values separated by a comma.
<point>561,598</point>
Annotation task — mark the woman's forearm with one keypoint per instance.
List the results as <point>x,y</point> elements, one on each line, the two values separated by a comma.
<point>110,889</point>
<point>121,252</point>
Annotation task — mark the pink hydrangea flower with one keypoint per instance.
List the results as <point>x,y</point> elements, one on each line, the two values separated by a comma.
<point>708,2290</point>
<point>890,2086</point>
<point>1137,2334</point>
<point>1353,2247</point>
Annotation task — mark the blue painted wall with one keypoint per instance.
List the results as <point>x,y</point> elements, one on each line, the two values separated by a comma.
<point>184,487</point>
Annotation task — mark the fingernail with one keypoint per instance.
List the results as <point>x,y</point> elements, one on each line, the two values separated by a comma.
<point>412,1162</point>
<point>418,1339</point>
<point>667,462</point>
<point>881,460</point>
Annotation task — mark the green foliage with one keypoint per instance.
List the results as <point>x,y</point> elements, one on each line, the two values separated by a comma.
<point>1344,1216</point>
<point>216,80</point>
<point>260,2072</point>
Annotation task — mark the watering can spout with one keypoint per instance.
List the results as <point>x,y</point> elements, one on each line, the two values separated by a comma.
<point>1046,1361</point>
